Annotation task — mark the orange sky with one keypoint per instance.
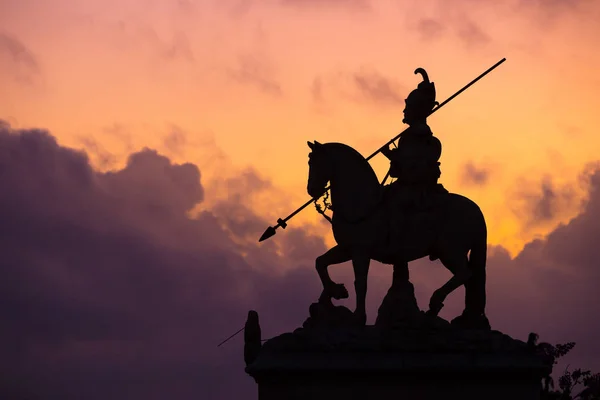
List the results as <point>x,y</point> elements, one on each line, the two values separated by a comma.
<point>229,85</point>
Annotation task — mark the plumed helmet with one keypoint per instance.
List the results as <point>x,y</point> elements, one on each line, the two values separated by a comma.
<point>423,97</point>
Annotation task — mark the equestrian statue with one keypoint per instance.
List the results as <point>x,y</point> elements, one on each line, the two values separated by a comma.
<point>411,218</point>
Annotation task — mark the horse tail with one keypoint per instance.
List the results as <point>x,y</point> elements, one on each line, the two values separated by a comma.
<point>475,288</point>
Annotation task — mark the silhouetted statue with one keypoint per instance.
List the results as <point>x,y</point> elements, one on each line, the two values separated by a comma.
<point>412,218</point>
<point>415,162</point>
<point>416,190</point>
<point>252,337</point>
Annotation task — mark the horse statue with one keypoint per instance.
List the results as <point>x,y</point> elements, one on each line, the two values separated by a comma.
<point>362,228</point>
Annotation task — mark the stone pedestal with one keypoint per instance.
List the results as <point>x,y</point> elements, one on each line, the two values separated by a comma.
<point>429,360</point>
<point>397,376</point>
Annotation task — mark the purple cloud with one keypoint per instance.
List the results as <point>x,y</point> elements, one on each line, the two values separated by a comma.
<point>20,60</point>
<point>253,70</point>
<point>543,203</point>
<point>350,4</point>
<point>365,85</point>
<point>110,290</point>
<point>474,175</point>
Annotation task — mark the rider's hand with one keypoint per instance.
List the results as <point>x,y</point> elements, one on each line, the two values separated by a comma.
<point>387,151</point>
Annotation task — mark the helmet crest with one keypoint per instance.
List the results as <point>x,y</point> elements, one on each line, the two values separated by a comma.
<point>423,97</point>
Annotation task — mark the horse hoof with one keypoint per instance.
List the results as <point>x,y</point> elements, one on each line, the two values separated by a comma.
<point>434,309</point>
<point>431,314</point>
<point>338,291</point>
<point>472,322</point>
<point>325,299</point>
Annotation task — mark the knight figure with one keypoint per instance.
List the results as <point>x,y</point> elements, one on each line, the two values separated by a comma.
<point>415,200</point>
<point>412,198</point>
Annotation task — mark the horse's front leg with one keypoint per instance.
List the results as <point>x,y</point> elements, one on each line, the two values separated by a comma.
<point>361,262</point>
<point>336,255</point>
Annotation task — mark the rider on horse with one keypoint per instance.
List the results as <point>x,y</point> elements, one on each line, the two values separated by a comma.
<point>415,162</point>
<point>417,194</point>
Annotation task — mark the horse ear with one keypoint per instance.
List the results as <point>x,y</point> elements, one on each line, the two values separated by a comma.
<point>311,145</point>
<point>317,143</point>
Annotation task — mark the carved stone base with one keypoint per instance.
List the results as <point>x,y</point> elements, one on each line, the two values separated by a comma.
<point>399,307</point>
<point>394,385</point>
<point>327,315</point>
<point>428,360</point>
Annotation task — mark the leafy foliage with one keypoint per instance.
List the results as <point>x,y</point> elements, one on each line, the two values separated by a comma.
<point>572,385</point>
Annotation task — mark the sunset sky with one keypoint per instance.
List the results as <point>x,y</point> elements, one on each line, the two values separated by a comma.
<point>204,108</point>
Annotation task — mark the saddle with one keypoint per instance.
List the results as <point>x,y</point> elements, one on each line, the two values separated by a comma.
<point>415,213</point>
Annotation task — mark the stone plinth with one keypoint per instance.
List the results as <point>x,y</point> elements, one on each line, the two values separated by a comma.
<point>430,360</point>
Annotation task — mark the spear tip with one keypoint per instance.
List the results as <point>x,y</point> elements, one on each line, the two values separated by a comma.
<point>270,231</point>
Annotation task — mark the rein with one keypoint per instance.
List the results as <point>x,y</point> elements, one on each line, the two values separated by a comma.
<point>329,206</point>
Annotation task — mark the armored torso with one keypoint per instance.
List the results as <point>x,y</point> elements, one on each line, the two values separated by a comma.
<point>415,161</point>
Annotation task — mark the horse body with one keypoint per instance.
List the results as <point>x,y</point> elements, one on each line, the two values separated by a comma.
<point>365,229</point>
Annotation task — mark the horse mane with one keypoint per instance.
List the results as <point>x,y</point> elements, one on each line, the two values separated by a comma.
<point>348,152</point>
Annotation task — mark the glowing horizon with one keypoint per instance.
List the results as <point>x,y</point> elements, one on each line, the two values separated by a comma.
<point>235,85</point>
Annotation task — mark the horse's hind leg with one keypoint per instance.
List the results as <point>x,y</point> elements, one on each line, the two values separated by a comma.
<point>336,255</point>
<point>475,298</point>
<point>361,262</point>
<point>458,264</point>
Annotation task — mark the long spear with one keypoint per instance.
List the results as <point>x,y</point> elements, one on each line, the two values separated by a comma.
<point>270,231</point>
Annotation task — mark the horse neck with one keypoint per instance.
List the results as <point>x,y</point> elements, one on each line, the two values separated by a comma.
<point>354,191</point>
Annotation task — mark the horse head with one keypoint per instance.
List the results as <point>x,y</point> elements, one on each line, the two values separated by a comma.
<point>319,169</point>
<point>355,189</point>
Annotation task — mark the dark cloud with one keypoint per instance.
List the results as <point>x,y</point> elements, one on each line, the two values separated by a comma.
<point>177,47</point>
<point>474,175</point>
<point>102,157</point>
<point>469,32</point>
<point>252,70</point>
<point>351,4</point>
<point>110,289</point>
<point>465,16</point>
<point>550,287</point>
<point>563,268</point>
<point>544,207</point>
<point>550,11</point>
<point>316,89</point>
<point>363,86</point>
<point>186,6</point>
<point>131,36</point>
<point>472,34</point>
<point>121,133</point>
<point>377,88</point>
<point>20,60</point>
<point>175,140</point>
<point>430,29</point>
<point>543,203</point>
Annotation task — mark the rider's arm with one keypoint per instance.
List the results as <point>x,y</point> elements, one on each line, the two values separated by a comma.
<point>386,151</point>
